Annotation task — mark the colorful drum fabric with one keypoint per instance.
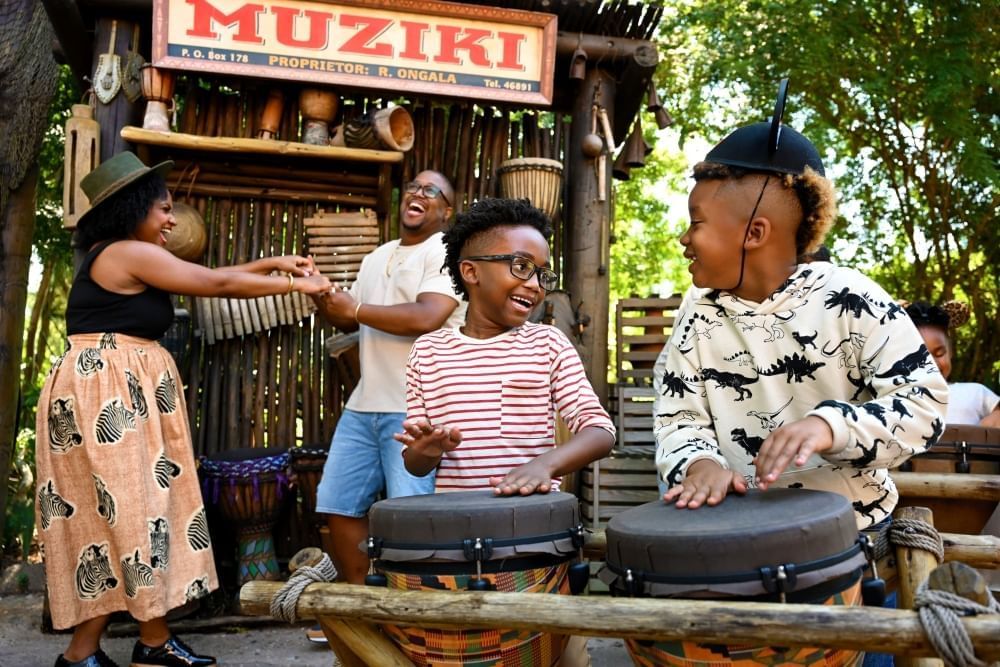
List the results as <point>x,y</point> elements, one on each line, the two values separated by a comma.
<point>248,486</point>
<point>789,545</point>
<point>450,540</point>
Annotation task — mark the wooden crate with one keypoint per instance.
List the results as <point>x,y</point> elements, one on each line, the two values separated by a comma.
<point>642,327</point>
<point>625,479</point>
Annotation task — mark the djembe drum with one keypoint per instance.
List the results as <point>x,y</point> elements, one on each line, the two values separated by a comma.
<point>248,486</point>
<point>158,89</point>
<point>307,469</point>
<point>537,179</point>
<point>475,540</point>
<point>781,545</point>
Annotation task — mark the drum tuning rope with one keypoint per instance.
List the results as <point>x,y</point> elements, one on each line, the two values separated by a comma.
<point>284,604</point>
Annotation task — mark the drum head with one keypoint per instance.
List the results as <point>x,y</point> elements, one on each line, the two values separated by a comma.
<point>437,526</point>
<point>738,536</point>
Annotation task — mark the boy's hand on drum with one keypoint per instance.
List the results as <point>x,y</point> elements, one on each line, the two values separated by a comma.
<point>794,442</point>
<point>532,477</point>
<point>428,440</point>
<point>706,482</point>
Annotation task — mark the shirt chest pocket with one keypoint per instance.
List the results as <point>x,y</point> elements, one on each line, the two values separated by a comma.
<point>524,409</point>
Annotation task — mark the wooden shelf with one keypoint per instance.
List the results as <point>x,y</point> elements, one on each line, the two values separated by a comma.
<point>293,149</point>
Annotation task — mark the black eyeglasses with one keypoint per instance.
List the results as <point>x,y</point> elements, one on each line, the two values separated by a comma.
<point>428,190</point>
<point>523,268</point>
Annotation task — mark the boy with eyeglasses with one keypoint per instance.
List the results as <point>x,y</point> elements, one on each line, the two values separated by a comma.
<point>400,293</point>
<point>482,398</point>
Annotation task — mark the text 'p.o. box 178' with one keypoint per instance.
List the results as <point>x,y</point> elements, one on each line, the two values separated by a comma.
<point>405,46</point>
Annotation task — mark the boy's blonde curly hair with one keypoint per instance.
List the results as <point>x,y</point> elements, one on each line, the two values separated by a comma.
<point>815,194</point>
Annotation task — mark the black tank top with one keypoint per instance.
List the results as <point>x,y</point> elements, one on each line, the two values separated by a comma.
<point>93,309</point>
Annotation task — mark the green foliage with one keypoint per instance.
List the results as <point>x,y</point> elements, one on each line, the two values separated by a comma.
<point>650,215</point>
<point>51,241</point>
<point>19,523</point>
<point>901,99</point>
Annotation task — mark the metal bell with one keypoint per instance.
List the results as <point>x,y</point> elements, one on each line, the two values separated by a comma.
<point>578,64</point>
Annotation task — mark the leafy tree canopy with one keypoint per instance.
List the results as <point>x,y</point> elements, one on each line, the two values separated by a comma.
<point>902,100</point>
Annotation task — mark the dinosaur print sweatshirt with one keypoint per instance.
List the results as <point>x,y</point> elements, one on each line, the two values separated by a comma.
<point>829,342</point>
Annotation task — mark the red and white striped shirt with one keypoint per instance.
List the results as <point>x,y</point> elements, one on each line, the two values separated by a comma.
<point>502,393</point>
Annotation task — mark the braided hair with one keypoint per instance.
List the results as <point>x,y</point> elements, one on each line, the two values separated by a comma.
<point>483,218</point>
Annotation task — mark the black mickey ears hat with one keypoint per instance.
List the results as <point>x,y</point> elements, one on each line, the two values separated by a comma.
<point>768,146</point>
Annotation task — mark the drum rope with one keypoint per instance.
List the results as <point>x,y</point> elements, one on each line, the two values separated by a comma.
<point>940,615</point>
<point>285,602</point>
<point>909,533</point>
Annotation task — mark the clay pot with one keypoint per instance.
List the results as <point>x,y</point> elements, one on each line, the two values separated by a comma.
<point>188,238</point>
<point>394,128</point>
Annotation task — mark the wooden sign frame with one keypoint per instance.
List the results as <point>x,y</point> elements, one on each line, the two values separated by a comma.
<point>400,46</point>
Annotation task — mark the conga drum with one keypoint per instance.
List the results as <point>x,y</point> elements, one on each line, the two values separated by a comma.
<point>781,545</point>
<point>537,179</point>
<point>961,449</point>
<point>475,540</point>
<point>307,469</point>
<point>247,485</point>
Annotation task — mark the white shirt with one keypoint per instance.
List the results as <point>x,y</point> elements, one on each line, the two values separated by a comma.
<point>969,402</point>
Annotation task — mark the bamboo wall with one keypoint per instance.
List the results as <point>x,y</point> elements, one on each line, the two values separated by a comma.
<point>278,388</point>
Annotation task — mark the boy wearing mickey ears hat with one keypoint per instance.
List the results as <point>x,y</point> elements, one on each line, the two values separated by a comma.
<point>779,372</point>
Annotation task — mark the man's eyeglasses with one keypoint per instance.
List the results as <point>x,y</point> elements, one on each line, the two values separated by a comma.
<point>428,190</point>
<point>523,268</point>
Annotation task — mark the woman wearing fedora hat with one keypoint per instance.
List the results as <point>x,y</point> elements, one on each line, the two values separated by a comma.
<point>119,507</point>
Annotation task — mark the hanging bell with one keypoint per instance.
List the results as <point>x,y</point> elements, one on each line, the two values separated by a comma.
<point>635,147</point>
<point>620,168</point>
<point>82,155</point>
<point>654,106</point>
<point>578,64</point>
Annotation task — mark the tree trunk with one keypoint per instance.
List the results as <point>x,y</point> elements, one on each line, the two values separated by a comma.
<point>17,224</point>
<point>42,299</point>
<point>28,78</point>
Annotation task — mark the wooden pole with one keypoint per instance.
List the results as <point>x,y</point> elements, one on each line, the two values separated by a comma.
<point>708,621</point>
<point>364,641</point>
<point>913,568</point>
<point>588,218</point>
<point>947,485</point>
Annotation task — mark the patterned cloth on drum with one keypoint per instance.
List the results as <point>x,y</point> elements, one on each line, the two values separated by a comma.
<point>248,486</point>
<point>784,544</point>
<point>452,540</point>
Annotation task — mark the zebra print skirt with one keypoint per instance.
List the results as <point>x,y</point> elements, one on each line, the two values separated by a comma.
<point>119,508</point>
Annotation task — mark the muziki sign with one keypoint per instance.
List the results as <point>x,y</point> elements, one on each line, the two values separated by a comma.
<point>414,46</point>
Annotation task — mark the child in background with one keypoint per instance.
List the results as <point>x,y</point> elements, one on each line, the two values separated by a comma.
<point>779,372</point>
<point>968,402</point>
<point>481,399</point>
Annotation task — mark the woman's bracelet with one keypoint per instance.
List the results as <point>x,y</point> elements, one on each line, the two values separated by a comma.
<point>291,282</point>
<point>356,310</point>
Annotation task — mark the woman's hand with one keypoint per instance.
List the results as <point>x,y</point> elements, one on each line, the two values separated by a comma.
<point>295,265</point>
<point>312,284</point>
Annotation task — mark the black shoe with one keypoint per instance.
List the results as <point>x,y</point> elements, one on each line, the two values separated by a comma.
<point>98,659</point>
<point>173,653</point>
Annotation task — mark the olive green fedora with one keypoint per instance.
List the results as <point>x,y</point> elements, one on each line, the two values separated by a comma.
<point>116,173</point>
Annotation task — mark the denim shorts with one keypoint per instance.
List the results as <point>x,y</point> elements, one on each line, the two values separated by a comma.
<point>364,459</point>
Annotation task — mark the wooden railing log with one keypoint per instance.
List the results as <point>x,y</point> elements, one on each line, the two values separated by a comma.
<point>895,631</point>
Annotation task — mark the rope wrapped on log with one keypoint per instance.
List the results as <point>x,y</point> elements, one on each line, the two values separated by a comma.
<point>940,613</point>
<point>912,534</point>
<point>286,600</point>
